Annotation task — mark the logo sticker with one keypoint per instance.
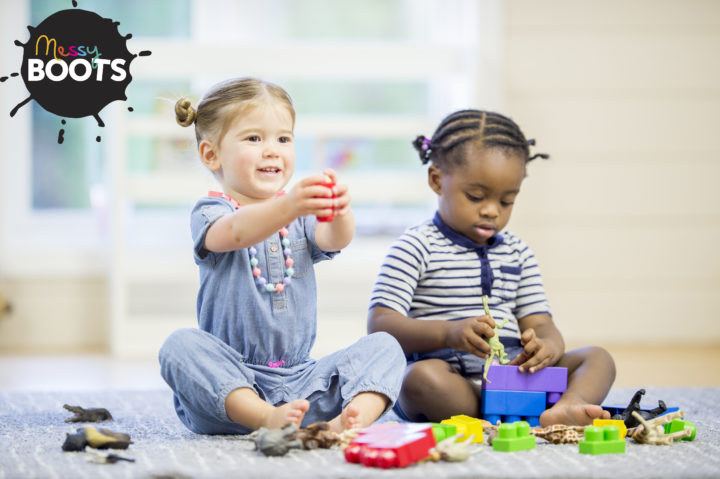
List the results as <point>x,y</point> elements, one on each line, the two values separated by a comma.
<point>75,64</point>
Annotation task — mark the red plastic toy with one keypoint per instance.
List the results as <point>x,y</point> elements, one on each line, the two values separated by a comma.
<point>391,445</point>
<point>329,185</point>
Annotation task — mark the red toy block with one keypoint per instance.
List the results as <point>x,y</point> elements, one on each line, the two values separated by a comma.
<point>509,378</point>
<point>391,445</point>
<point>329,185</point>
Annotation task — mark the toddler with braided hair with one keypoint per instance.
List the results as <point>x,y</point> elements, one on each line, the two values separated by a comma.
<point>428,293</point>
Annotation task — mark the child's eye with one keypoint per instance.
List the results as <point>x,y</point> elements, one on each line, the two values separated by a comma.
<point>285,139</point>
<point>253,138</point>
<point>473,198</point>
<point>507,203</point>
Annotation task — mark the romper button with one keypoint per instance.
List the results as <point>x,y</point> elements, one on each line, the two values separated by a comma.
<point>273,248</point>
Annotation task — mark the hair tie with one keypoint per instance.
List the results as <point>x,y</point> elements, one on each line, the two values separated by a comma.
<point>531,142</point>
<point>426,147</point>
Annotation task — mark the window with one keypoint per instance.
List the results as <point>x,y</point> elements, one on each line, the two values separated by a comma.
<point>366,77</point>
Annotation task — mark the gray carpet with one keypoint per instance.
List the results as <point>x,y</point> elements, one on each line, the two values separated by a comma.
<point>32,429</point>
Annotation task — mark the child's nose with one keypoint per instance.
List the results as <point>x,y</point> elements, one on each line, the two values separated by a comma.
<point>270,150</point>
<point>489,209</point>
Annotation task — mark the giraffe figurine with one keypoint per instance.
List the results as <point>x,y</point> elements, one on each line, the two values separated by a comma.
<point>496,347</point>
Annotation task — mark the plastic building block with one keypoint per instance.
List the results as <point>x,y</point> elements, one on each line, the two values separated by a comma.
<point>443,431</point>
<point>612,422</point>
<point>679,425</point>
<point>512,403</point>
<point>329,185</point>
<point>509,378</point>
<point>513,437</point>
<point>389,445</point>
<point>605,440</point>
<point>466,425</point>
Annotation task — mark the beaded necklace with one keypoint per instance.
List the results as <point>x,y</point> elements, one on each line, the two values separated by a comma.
<point>256,271</point>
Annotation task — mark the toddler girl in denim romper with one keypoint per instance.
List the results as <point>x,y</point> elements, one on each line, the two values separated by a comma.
<point>248,364</point>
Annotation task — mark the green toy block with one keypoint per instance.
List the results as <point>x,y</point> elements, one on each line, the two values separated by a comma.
<point>605,440</point>
<point>443,431</point>
<point>678,425</point>
<point>513,436</point>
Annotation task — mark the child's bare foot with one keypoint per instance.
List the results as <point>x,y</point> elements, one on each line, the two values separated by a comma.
<point>572,414</point>
<point>281,416</point>
<point>349,418</point>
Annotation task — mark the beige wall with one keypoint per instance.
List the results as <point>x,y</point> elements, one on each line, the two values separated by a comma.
<point>624,218</point>
<point>54,315</point>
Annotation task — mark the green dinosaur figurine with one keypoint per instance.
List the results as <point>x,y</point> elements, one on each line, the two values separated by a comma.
<point>496,347</point>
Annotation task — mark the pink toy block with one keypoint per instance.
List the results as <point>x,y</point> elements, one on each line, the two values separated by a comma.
<point>391,445</point>
<point>508,378</point>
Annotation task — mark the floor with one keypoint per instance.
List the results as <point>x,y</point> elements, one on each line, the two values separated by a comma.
<point>644,366</point>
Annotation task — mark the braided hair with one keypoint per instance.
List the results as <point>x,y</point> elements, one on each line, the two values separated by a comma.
<point>492,129</point>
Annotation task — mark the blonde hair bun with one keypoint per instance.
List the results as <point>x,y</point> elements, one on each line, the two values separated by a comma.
<point>185,114</point>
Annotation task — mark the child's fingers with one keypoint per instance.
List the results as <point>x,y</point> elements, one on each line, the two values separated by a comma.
<point>535,363</point>
<point>330,173</point>
<point>527,336</point>
<point>479,347</point>
<point>520,359</point>
<point>482,327</point>
<point>313,180</point>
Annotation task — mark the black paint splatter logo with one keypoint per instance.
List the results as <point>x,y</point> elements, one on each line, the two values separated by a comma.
<point>75,64</point>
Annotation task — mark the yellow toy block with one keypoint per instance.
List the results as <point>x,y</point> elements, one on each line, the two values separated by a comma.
<point>466,426</point>
<point>612,422</point>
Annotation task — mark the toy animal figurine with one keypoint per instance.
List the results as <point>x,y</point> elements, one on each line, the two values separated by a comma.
<point>98,439</point>
<point>100,457</point>
<point>451,451</point>
<point>88,415</point>
<point>653,432</point>
<point>627,415</point>
<point>560,434</point>
<point>318,435</point>
<point>496,347</point>
<point>276,442</point>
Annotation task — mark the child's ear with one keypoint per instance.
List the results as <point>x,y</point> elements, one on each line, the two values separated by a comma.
<point>209,155</point>
<point>435,179</point>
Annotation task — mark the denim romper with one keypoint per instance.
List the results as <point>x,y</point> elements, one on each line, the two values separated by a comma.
<point>250,338</point>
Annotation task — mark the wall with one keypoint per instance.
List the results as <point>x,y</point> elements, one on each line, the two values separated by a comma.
<point>624,217</point>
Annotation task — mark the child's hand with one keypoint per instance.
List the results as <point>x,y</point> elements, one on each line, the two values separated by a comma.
<point>308,197</point>
<point>469,335</point>
<point>536,353</point>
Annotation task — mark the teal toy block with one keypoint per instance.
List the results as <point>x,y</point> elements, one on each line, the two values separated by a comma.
<point>678,425</point>
<point>604,440</point>
<point>513,437</point>
<point>443,431</point>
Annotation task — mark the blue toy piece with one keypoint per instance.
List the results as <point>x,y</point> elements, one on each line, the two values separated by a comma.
<point>513,406</point>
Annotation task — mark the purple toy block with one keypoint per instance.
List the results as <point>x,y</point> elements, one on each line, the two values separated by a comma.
<point>508,378</point>
<point>512,403</point>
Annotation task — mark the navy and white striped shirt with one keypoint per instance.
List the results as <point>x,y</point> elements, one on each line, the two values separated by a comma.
<point>432,272</point>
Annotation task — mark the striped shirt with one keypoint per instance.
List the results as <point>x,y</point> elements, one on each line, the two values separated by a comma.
<point>432,272</point>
